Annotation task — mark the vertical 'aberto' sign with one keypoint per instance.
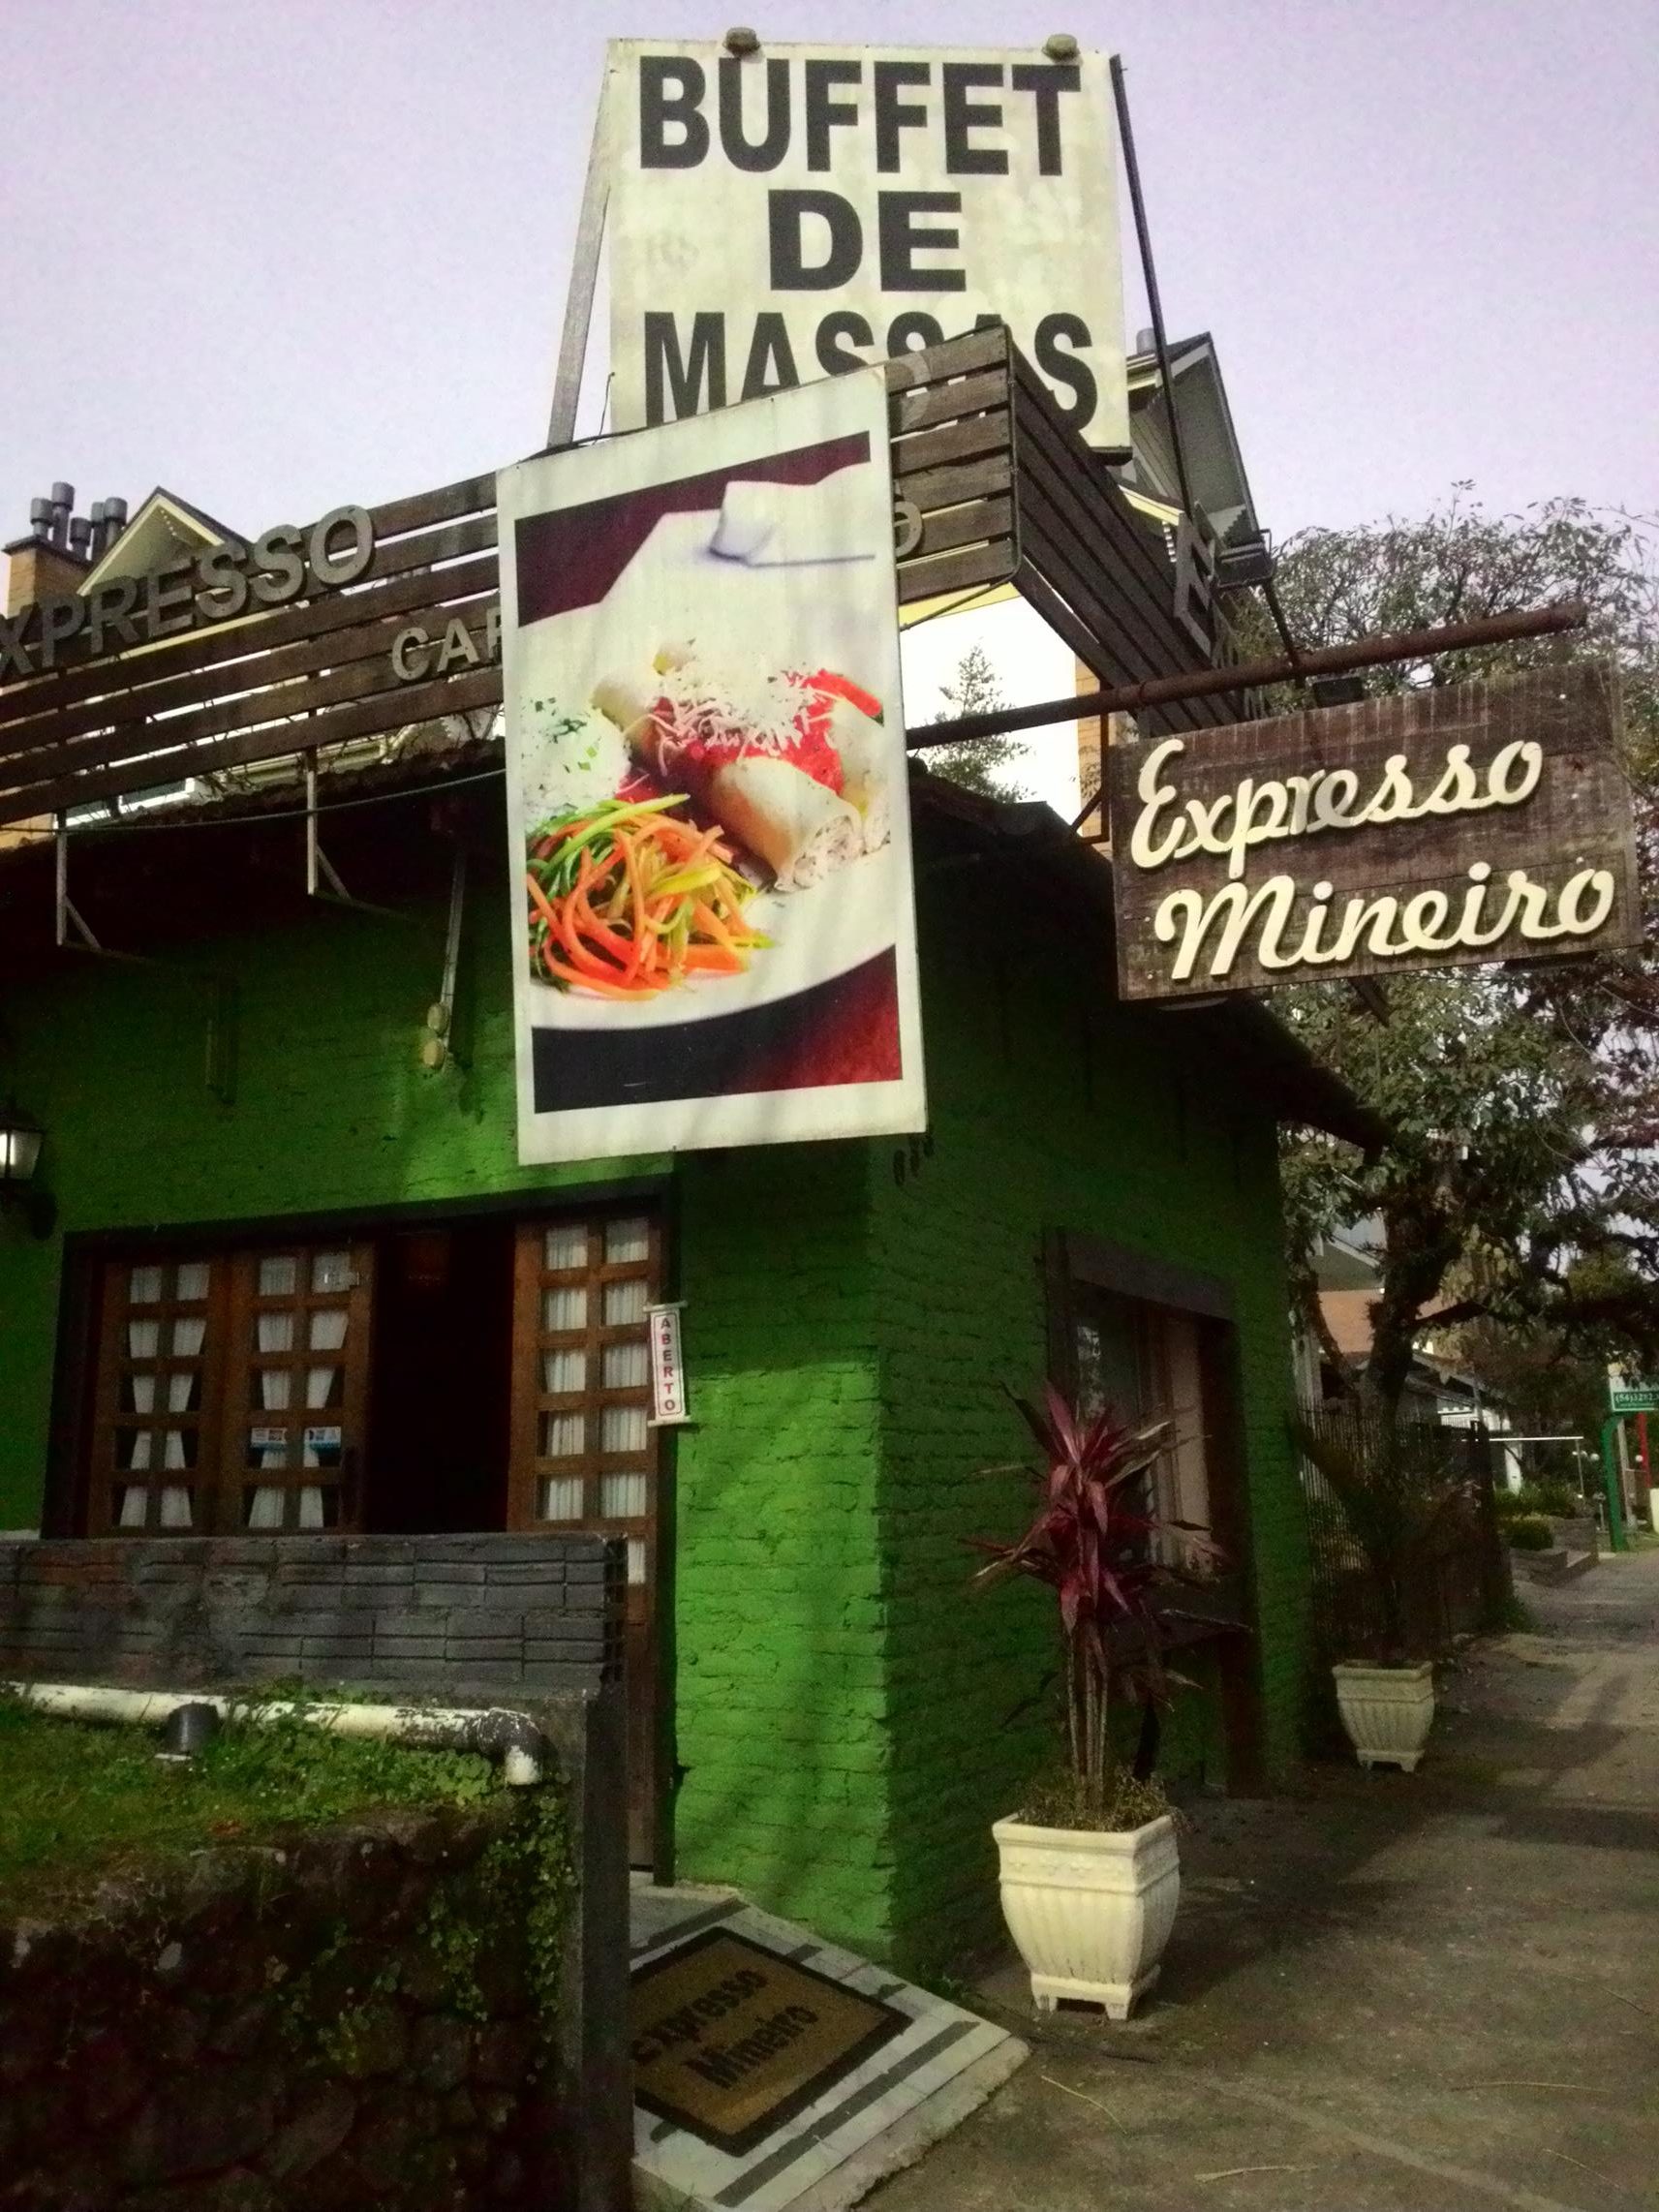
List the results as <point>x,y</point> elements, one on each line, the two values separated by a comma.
<point>808,210</point>
<point>1427,829</point>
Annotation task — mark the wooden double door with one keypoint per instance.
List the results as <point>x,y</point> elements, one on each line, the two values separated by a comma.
<point>488,1374</point>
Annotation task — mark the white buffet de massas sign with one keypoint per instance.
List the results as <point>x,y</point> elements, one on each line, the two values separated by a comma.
<point>807,209</point>
<point>1427,829</point>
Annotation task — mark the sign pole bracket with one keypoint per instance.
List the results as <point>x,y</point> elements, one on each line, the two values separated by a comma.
<point>321,877</point>
<point>584,277</point>
<point>73,932</point>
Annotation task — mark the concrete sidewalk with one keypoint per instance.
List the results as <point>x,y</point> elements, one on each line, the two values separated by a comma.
<point>1437,1991</point>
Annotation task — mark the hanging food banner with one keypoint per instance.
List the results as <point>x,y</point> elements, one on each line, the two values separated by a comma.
<point>800,210</point>
<point>714,931</point>
<point>1425,829</point>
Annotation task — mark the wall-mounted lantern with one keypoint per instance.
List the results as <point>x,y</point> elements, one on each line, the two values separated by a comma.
<point>20,1139</point>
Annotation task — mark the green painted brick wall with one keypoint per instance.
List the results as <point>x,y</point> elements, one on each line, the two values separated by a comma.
<point>850,1717</point>
<point>1115,1128</point>
<point>332,1109</point>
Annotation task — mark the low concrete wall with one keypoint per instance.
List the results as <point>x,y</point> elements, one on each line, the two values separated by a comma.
<point>531,1622</point>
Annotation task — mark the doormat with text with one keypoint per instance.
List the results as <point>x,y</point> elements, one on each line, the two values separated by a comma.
<point>730,2041</point>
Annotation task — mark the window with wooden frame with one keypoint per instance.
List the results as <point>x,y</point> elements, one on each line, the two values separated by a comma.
<point>231,1390</point>
<point>584,1454</point>
<point>156,1399</point>
<point>299,1361</point>
<point>1124,1332</point>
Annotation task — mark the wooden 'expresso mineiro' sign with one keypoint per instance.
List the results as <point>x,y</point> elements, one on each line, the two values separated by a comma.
<point>1428,829</point>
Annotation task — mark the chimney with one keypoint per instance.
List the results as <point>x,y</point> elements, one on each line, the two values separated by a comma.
<point>51,561</point>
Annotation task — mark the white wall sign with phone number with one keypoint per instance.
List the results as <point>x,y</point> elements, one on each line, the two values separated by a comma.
<point>807,209</point>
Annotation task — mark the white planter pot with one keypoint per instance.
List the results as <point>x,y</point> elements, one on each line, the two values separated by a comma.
<point>1387,1712</point>
<point>1090,1912</point>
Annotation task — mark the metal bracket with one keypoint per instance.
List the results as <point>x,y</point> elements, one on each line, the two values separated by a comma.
<point>75,934</point>
<point>70,929</point>
<point>322,876</point>
<point>435,1049</point>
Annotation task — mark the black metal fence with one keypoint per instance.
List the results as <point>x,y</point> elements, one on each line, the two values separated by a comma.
<point>1458,1581</point>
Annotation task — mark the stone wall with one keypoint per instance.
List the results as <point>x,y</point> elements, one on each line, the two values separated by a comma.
<point>461,1617</point>
<point>365,2015</point>
<point>534,1622</point>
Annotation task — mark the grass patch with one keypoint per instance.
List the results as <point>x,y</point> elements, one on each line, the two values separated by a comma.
<point>82,1800</point>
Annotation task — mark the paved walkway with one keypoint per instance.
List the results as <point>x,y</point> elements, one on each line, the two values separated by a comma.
<point>1438,1991</point>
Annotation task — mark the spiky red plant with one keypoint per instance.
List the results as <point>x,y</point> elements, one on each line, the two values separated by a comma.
<point>1097,1542</point>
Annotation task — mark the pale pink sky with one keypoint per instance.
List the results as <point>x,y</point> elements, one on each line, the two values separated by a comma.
<point>280,258</point>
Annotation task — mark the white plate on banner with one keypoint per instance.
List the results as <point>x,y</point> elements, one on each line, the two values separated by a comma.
<point>673,591</point>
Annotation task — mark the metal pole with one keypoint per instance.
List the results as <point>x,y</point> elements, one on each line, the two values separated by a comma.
<point>1248,675</point>
<point>1154,305</point>
<point>584,275</point>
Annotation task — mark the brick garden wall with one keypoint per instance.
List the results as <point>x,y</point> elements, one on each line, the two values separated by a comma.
<point>454,1617</point>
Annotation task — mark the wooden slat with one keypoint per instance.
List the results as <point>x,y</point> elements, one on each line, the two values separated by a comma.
<point>302,694</point>
<point>1118,617</point>
<point>967,440</point>
<point>982,564</point>
<point>221,642</point>
<point>1072,539</point>
<point>424,548</point>
<point>471,495</point>
<point>156,703</point>
<point>1035,590</point>
<point>1133,542</point>
<point>922,406</point>
<point>948,528</point>
<point>955,357</point>
<point>409,704</point>
<point>959,482</point>
<point>1118,544</point>
<point>396,558</point>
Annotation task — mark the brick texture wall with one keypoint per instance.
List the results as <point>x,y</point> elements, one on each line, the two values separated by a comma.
<point>850,1717</point>
<point>1116,1126</point>
<point>332,1109</point>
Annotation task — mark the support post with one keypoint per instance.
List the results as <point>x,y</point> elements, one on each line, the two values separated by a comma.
<point>1154,305</point>
<point>584,276</point>
<point>1615,1536</point>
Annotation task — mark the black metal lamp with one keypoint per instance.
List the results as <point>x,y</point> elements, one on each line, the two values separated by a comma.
<point>20,1139</point>
<point>187,1730</point>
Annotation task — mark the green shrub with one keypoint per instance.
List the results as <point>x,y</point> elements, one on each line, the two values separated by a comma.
<point>1557,1498</point>
<point>1531,1532</point>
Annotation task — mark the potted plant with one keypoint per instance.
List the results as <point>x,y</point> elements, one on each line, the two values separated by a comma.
<point>1394,1514</point>
<point>1090,1872</point>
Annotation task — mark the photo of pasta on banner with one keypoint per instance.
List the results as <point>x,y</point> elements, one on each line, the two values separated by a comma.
<point>706,783</point>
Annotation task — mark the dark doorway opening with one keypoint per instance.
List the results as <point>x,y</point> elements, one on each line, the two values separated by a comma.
<point>441,1380</point>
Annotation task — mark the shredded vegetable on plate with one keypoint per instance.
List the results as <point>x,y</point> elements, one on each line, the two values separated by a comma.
<point>626,901</point>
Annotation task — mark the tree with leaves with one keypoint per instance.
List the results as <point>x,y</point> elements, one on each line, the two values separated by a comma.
<point>982,764</point>
<point>1518,1193</point>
